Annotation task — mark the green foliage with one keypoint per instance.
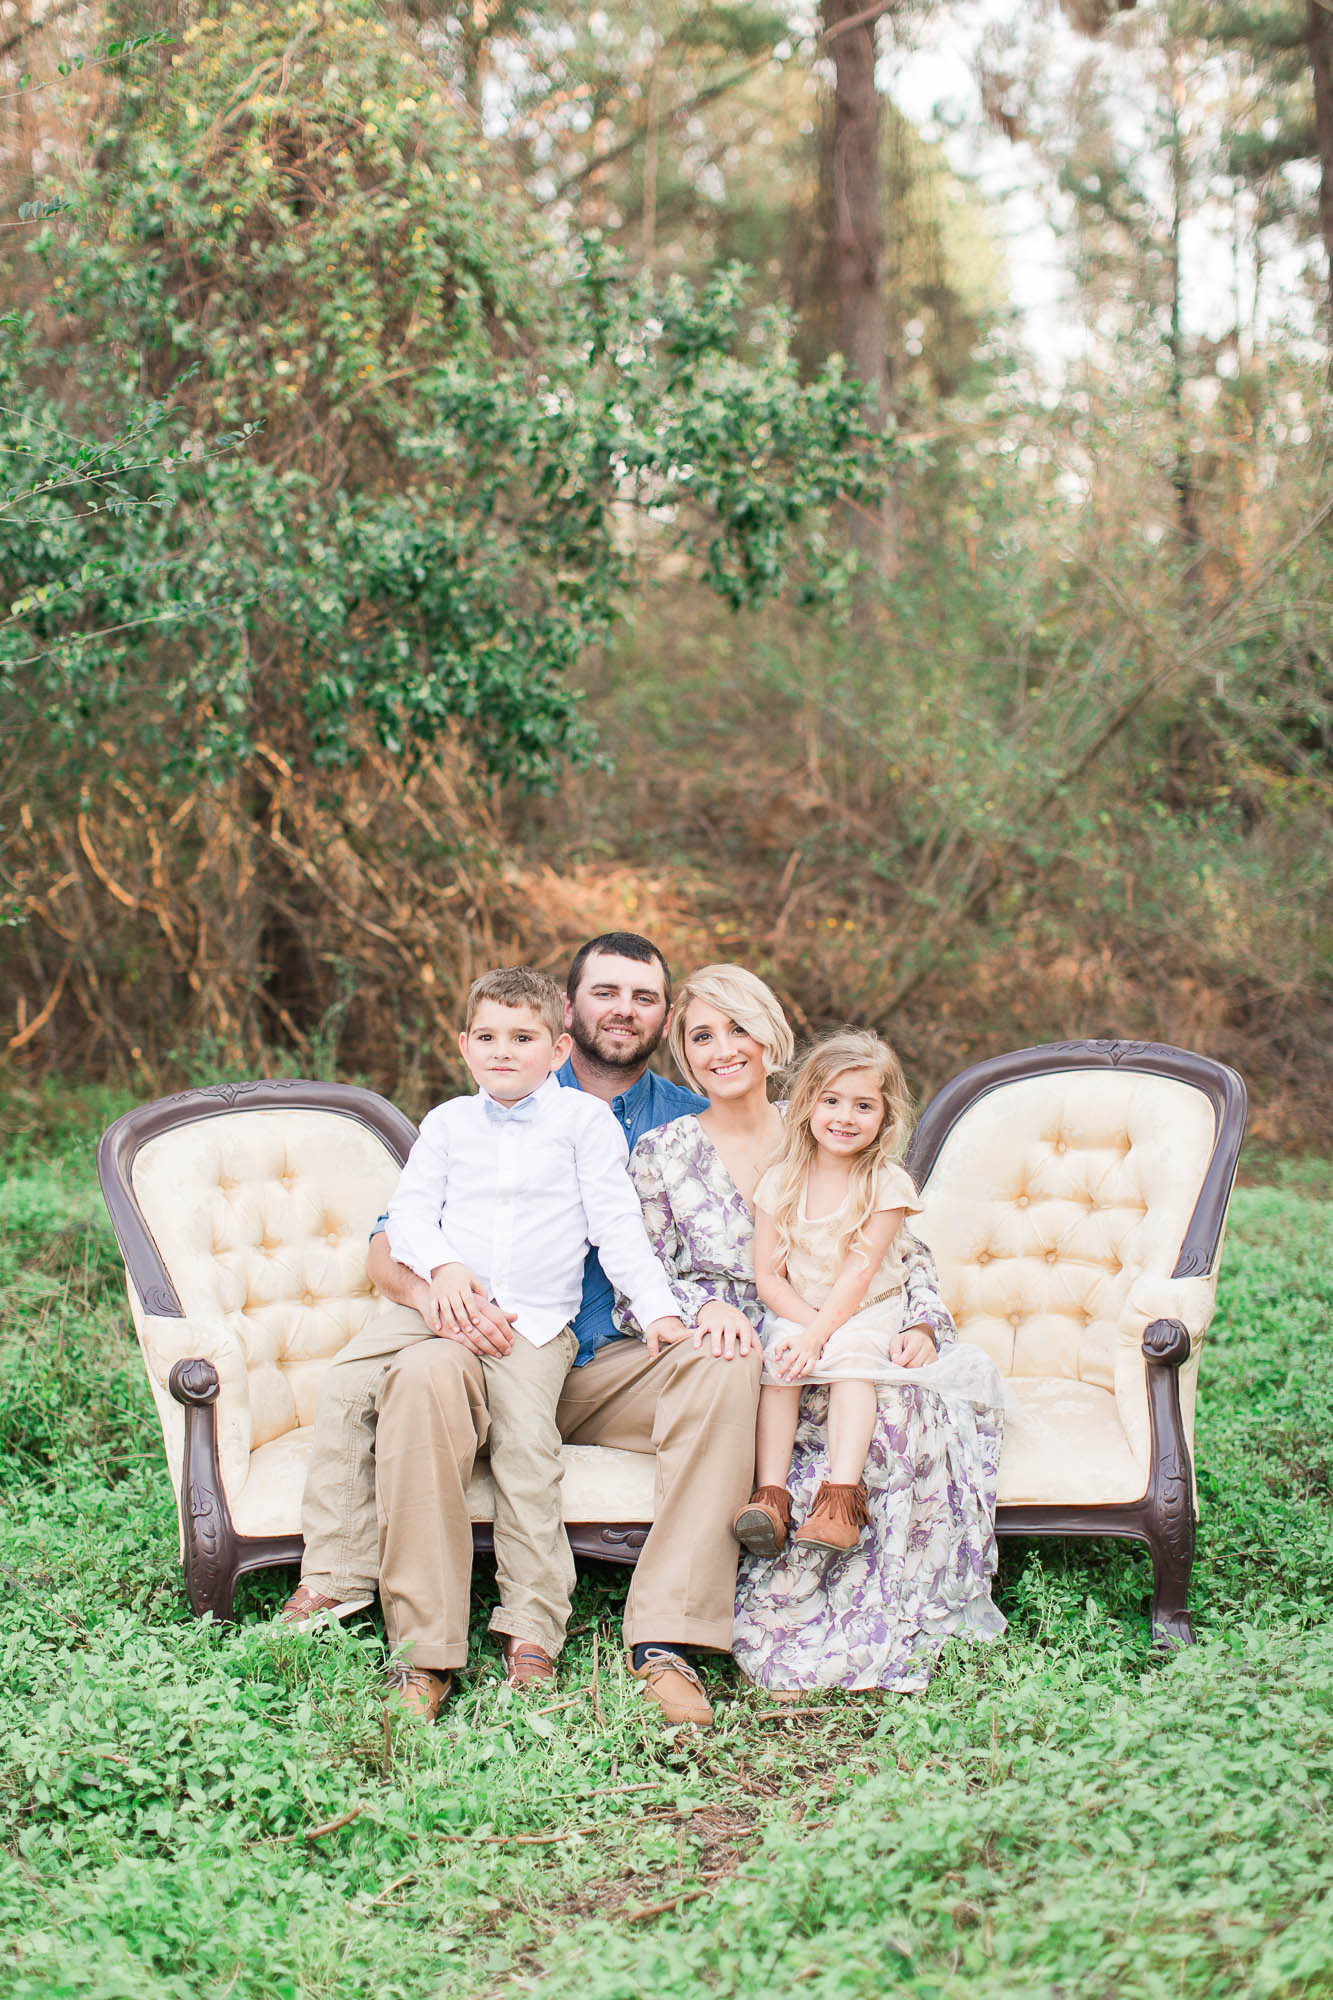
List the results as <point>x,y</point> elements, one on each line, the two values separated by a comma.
<point>1059,1812</point>
<point>393,433</point>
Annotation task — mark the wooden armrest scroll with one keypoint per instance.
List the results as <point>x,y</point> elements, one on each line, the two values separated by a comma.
<point>1166,1343</point>
<point>194,1381</point>
<point>208,1537</point>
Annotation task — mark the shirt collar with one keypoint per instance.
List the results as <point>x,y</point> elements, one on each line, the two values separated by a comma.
<point>535,1097</point>
<point>626,1104</point>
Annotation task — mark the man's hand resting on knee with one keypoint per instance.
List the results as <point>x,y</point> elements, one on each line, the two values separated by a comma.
<point>485,1328</point>
<point>460,1310</point>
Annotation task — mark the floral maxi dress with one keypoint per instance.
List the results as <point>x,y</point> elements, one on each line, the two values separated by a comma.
<point>877,1616</point>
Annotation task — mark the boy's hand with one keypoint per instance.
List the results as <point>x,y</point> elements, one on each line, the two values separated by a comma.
<point>459,1310</point>
<point>660,1333</point>
<point>726,1327</point>
<point>914,1347</point>
<point>793,1355</point>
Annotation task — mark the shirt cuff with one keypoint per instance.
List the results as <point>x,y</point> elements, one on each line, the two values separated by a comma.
<point>655,1302</point>
<point>420,1254</point>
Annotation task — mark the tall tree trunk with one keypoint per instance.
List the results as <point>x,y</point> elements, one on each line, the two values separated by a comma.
<point>1183,474</point>
<point>858,229</point>
<point>1319,44</point>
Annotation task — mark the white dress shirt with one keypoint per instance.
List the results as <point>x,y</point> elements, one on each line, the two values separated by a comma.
<point>518,1195</point>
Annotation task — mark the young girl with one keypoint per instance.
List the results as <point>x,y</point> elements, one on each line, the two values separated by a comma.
<point>829,1271</point>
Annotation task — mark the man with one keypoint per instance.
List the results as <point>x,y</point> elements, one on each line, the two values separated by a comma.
<point>426,1407</point>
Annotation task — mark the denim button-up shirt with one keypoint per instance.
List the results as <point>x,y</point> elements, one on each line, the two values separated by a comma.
<point>651,1102</point>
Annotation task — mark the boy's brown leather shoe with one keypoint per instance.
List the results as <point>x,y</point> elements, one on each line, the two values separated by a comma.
<point>527,1664</point>
<point>416,1690</point>
<point>835,1521</point>
<point>306,1609</point>
<point>764,1522</point>
<point>672,1683</point>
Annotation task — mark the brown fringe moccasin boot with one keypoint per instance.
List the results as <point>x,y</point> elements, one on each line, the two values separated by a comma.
<point>764,1522</point>
<point>835,1521</point>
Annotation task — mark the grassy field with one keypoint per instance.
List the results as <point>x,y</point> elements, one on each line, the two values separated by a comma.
<point>197,1812</point>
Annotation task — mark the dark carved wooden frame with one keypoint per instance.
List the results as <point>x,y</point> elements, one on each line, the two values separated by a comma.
<point>214,1554</point>
<point>1163,1518</point>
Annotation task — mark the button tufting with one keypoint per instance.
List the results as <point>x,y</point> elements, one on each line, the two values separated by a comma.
<point>1051,1256</point>
<point>1015,1319</point>
<point>1061,1146</point>
<point>1022,1201</point>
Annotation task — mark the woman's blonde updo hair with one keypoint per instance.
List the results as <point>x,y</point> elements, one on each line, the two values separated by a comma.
<point>745,999</point>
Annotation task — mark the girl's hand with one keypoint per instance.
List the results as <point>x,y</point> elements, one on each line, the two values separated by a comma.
<point>793,1355</point>
<point>914,1347</point>
<point>726,1327</point>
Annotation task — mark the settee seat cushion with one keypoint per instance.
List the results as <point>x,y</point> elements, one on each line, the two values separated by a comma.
<point>1064,1444</point>
<point>601,1484</point>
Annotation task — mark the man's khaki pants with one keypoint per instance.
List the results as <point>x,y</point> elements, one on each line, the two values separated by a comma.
<point>511,1404</point>
<point>694,1412</point>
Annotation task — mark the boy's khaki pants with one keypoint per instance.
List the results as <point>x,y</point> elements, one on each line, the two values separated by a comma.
<point>507,1404</point>
<point>428,1406</point>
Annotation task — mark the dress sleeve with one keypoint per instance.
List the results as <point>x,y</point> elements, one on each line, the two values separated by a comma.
<point>895,1188</point>
<point>766,1193</point>
<point>669,1183</point>
<point>922,1303</point>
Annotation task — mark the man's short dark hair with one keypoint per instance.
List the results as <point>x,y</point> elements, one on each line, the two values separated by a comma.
<point>618,944</point>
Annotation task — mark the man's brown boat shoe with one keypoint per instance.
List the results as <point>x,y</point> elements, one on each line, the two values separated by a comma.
<point>417,1691</point>
<point>670,1681</point>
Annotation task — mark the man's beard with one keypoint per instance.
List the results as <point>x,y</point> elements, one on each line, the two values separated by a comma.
<point>612,1052</point>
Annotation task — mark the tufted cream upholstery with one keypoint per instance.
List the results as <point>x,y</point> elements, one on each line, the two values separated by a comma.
<point>262,1217</point>
<point>1056,1209</point>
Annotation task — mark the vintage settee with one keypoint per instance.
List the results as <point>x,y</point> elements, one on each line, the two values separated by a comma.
<point>1075,1199</point>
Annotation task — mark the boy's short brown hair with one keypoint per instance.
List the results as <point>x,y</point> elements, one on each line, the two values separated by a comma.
<point>520,986</point>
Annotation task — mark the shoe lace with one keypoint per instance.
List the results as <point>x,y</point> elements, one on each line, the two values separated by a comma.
<point>658,1659</point>
<point>400,1678</point>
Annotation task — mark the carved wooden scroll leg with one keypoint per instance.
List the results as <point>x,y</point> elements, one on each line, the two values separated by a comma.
<point>1169,1506</point>
<point>209,1537</point>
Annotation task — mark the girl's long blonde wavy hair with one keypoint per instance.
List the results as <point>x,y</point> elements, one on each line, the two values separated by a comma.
<point>850,1048</point>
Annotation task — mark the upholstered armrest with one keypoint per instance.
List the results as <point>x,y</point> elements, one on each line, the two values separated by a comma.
<point>167,1341</point>
<point>1188,1300</point>
<point>1162,1323</point>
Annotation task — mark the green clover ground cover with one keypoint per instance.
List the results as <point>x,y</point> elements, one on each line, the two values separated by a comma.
<point>198,1812</point>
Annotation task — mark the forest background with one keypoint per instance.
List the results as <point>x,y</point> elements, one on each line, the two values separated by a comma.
<point>472,478</point>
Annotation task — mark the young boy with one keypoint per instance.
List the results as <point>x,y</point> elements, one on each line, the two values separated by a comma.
<point>500,1199</point>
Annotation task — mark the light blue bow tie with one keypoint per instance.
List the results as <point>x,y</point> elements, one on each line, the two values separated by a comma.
<point>521,1113</point>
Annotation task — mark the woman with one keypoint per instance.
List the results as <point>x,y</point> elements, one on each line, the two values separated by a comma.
<point>877,1616</point>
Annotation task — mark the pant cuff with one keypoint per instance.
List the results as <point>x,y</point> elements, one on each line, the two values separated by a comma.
<point>713,1634</point>
<point>431,1659</point>
<point>509,1625</point>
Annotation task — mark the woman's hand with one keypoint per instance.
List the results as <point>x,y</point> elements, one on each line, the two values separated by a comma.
<point>726,1327</point>
<point>914,1347</point>
<point>793,1355</point>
